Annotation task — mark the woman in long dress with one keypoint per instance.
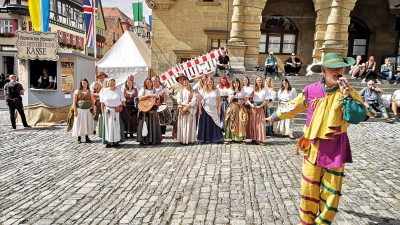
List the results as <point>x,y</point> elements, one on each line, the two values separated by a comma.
<point>83,121</point>
<point>236,115</point>
<point>256,125</point>
<point>285,94</point>
<point>210,130</point>
<point>187,104</point>
<point>130,93</point>
<point>270,105</point>
<point>112,99</point>
<point>150,117</point>
<point>162,100</point>
<point>223,88</point>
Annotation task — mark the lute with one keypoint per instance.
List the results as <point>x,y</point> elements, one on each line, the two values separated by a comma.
<point>146,104</point>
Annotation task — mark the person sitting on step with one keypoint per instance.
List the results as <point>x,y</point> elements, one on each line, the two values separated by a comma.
<point>373,101</point>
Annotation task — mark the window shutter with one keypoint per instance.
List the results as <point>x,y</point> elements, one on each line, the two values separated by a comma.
<point>65,37</point>
<point>59,36</point>
<point>30,25</point>
<point>83,42</point>
<point>15,26</point>
<point>71,40</point>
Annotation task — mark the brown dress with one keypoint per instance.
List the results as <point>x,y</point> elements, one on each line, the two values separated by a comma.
<point>131,126</point>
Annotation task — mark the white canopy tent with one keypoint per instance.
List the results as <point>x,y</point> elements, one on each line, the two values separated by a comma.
<point>129,55</point>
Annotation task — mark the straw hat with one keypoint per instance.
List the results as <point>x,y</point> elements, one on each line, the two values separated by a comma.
<point>179,76</point>
<point>333,60</point>
<point>100,74</point>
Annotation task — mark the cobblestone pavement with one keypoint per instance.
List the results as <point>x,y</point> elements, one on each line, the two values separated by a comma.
<point>47,178</point>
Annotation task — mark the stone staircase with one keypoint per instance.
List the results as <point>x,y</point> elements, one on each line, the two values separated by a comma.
<point>299,82</point>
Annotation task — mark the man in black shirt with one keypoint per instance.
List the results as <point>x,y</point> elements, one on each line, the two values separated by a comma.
<point>292,64</point>
<point>12,93</point>
<point>223,64</point>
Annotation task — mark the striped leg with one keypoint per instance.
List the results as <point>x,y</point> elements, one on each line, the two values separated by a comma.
<point>330,194</point>
<point>310,192</point>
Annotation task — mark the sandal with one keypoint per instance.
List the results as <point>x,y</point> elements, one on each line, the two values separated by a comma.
<point>291,137</point>
<point>241,142</point>
<point>224,142</point>
<point>260,143</point>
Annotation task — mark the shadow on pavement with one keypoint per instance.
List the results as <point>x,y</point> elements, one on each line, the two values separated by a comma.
<point>375,219</point>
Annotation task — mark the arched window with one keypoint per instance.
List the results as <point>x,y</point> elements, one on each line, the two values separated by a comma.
<point>358,38</point>
<point>279,35</point>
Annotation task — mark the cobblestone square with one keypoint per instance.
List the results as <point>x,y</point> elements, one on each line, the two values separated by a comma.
<point>46,177</point>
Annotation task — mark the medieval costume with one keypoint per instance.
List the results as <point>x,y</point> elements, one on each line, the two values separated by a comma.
<point>256,125</point>
<point>236,117</point>
<point>83,123</point>
<point>152,122</point>
<point>131,126</point>
<point>113,127</point>
<point>186,131</point>
<point>285,127</point>
<point>329,114</point>
<point>209,130</point>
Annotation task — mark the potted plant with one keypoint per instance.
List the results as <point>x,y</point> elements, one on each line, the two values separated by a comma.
<point>75,47</point>
<point>80,48</point>
<point>69,45</point>
<point>61,44</point>
<point>90,54</point>
<point>8,34</point>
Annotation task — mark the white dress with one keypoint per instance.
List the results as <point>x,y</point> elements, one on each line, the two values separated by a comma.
<point>83,123</point>
<point>112,124</point>
<point>210,105</point>
<point>187,123</point>
<point>285,127</point>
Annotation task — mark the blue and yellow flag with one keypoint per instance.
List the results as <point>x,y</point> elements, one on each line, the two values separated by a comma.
<point>39,11</point>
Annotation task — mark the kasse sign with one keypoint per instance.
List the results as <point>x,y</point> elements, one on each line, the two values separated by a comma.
<point>37,45</point>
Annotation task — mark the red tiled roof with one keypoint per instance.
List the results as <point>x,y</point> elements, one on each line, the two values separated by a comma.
<point>115,12</point>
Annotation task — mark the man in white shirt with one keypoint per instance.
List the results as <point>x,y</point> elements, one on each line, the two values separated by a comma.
<point>95,89</point>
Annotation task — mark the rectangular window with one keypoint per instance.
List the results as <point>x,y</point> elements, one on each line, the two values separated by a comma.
<point>6,26</point>
<point>289,41</point>
<point>217,43</point>
<point>74,40</point>
<point>61,36</point>
<point>360,46</point>
<point>274,43</point>
<point>52,5</point>
<point>263,43</point>
<point>67,41</point>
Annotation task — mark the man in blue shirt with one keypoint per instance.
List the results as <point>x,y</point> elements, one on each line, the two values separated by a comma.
<point>271,65</point>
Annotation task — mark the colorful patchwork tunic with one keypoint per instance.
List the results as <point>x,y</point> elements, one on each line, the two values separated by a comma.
<point>328,117</point>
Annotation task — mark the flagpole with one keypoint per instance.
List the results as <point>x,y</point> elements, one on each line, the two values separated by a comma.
<point>94,31</point>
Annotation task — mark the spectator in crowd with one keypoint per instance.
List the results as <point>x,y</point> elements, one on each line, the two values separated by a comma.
<point>386,70</point>
<point>223,64</point>
<point>397,75</point>
<point>83,112</point>
<point>12,93</point>
<point>396,104</point>
<point>370,70</point>
<point>271,65</point>
<point>2,79</point>
<point>358,68</point>
<point>292,65</point>
<point>373,101</point>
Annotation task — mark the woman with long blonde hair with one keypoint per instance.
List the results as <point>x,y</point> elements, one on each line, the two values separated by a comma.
<point>187,103</point>
<point>210,111</point>
<point>256,125</point>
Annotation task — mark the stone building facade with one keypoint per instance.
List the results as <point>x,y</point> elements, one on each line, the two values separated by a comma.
<point>249,29</point>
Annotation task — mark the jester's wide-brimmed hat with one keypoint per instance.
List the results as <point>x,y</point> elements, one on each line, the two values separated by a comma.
<point>333,60</point>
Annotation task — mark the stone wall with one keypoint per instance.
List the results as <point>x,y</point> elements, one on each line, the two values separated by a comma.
<point>183,29</point>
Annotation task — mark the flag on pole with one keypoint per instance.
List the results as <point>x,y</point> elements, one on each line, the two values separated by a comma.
<point>39,11</point>
<point>151,22</point>
<point>90,12</point>
<point>137,11</point>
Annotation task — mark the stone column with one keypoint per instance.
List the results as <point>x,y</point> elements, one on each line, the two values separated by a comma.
<point>237,24</point>
<point>336,35</point>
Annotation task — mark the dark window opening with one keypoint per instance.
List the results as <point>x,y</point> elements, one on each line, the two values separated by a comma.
<point>36,68</point>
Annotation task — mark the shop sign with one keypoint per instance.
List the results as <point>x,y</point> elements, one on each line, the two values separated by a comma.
<point>37,45</point>
<point>67,75</point>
